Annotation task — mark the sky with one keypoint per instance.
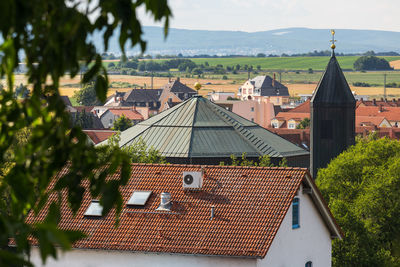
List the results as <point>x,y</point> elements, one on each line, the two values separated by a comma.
<point>262,15</point>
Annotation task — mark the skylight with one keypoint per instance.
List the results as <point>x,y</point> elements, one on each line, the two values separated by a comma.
<point>94,209</point>
<point>139,198</point>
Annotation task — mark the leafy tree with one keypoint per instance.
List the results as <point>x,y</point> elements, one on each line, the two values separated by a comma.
<point>371,63</point>
<point>362,187</point>
<point>122,123</point>
<point>87,96</point>
<point>22,91</point>
<point>111,65</point>
<point>261,55</point>
<point>142,66</point>
<point>304,124</point>
<point>138,152</point>
<point>54,37</point>
<point>82,119</point>
<point>263,161</point>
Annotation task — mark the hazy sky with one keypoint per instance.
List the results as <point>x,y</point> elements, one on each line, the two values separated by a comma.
<point>260,15</point>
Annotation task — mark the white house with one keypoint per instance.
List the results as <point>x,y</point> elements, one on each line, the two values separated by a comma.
<point>211,216</point>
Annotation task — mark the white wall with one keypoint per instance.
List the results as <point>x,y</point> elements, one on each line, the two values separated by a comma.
<point>100,258</point>
<point>294,247</point>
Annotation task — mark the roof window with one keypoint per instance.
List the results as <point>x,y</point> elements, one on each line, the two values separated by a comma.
<point>139,198</point>
<point>94,209</point>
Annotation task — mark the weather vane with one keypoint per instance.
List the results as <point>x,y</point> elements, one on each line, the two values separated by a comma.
<point>333,46</point>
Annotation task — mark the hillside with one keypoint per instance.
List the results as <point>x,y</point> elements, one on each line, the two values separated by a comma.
<point>290,40</point>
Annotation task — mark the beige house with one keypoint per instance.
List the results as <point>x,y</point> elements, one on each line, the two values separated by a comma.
<point>262,87</point>
<point>260,111</point>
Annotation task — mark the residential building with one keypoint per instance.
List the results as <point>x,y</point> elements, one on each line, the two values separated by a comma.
<point>390,113</point>
<point>112,114</point>
<point>173,93</point>
<point>199,131</point>
<point>97,136</point>
<point>144,98</point>
<point>191,215</point>
<point>260,111</point>
<point>220,96</point>
<point>264,86</point>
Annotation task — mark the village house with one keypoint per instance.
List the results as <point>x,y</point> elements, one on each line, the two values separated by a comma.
<point>139,98</point>
<point>173,93</point>
<point>191,215</point>
<point>260,111</point>
<point>221,96</point>
<point>264,86</point>
<point>96,136</point>
<point>112,114</point>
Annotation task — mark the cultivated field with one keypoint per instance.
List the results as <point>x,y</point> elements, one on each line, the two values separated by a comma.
<point>219,85</point>
<point>298,81</point>
<point>283,63</point>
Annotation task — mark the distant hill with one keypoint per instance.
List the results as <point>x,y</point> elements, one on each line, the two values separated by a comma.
<point>290,41</point>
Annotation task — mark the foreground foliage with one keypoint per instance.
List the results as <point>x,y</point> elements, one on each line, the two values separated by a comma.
<point>54,37</point>
<point>362,187</point>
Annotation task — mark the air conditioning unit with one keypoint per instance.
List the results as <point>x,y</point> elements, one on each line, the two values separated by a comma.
<point>192,180</point>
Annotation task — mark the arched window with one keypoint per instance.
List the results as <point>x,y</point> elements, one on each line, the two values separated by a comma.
<point>308,264</point>
<point>295,213</point>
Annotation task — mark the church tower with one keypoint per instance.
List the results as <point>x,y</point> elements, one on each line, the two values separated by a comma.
<point>332,116</point>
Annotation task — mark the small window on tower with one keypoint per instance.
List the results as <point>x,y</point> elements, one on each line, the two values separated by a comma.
<point>326,129</point>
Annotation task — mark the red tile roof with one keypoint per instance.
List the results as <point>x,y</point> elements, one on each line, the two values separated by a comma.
<point>302,108</point>
<point>98,136</point>
<point>369,121</point>
<point>291,115</point>
<point>390,113</point>
<point>128,112</point>
<point>250,204</point>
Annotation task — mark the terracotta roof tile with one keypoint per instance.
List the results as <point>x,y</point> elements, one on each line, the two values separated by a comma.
<point>250,204</point>
<point>98,136</point>
<point>129,113</point>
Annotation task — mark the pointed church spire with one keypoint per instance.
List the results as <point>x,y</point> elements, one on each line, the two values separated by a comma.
<point>332,115</point>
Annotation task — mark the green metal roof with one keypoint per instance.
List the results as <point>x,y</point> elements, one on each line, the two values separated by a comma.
<point>200,128</point>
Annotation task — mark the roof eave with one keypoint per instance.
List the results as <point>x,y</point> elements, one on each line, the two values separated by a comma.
<point>322,206</point>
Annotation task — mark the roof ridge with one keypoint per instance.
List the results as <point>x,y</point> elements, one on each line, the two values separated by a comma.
<point>218,166</point>
<point>243,132</point>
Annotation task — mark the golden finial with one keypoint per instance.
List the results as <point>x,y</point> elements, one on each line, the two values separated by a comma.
<point>333,46</point>
<point>197,86</point>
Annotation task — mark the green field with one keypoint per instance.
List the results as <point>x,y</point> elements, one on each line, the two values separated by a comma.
<point>283,63</point>
<point>371,77</point>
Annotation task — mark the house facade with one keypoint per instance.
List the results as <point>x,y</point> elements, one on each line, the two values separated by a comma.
<point>264,86</point>
<point>260,111</point>
<point>236,216</point>
<point>112,114</point>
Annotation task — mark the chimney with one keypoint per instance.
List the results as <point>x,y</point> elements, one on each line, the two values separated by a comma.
<point>374,102</point>
<point>380,108</point>
<point>212,212</point>
<point>165,202</point>
<point>391,133</point>
<point>178,79</point>
<point>273,81</point>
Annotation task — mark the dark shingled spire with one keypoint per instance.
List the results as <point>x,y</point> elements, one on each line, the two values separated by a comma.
<point>333,88</point>
<point>332,117</point>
